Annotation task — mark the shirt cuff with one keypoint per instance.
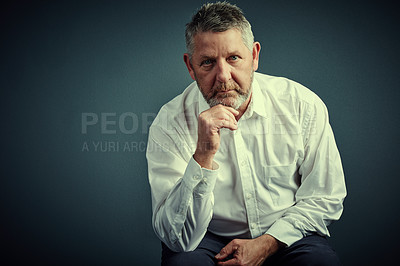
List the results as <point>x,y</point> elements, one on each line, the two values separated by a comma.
<point>200,180</point>
<point>284,232</point>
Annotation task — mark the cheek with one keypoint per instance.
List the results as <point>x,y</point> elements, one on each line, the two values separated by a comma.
<point>206,81</point>
<point>243,77</point>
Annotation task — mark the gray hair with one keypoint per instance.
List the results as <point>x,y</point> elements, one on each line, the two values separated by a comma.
<point>218,17</point>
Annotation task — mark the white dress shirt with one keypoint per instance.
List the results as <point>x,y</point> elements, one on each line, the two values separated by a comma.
<point>279,173</point>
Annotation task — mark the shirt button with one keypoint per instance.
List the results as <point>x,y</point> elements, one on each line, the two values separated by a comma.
<point>205,179</point>
<point>253,225</point>
<point>243,163</point>
<point>248,196</point>
<point>197,177</point>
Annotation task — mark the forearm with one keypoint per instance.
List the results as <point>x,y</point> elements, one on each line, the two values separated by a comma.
<point>271,244</point>
<point>183,202</point>
<point>319,199</point>
<point>306,217</point>
<point>182,219</point>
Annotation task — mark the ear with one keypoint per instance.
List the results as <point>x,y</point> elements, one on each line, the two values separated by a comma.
<point>189,66</point>
<point>256,54</point>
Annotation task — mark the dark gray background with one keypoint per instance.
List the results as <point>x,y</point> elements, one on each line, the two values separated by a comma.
<point>60,59</point>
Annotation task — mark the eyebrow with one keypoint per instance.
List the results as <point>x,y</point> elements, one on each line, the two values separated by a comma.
<point>205,56</point>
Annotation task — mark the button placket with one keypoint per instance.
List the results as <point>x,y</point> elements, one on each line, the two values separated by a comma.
<point>196,177</point>
<point>247,184</point>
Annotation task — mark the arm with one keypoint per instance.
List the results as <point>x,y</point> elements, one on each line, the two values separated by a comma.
<point>182,191</point>
<point>182,198</point>
<point>319,199</point>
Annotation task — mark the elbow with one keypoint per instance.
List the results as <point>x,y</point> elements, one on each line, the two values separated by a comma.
<point>176,241</point>
<point>177,247</point>
<point>176,244</point>
<point>171,239</point>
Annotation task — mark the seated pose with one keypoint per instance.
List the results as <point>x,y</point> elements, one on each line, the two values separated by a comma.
<point>243,167</point>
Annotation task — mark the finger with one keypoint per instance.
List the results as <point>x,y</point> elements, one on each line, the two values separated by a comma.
<point>232,110</point>
<point>224,119</point>
<point>231,116</point>
<point>228,123</point>
<point>233,261</point>
<point>226,251</point>
<point>229,110</point>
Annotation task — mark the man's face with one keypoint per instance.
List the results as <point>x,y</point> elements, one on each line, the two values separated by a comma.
<point>223,67</point>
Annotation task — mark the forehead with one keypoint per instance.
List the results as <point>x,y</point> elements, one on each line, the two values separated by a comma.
<point>218,42</point>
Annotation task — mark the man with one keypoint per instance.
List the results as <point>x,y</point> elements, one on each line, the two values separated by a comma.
<point>243,167</point>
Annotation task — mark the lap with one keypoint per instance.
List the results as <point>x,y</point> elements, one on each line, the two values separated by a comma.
<point>311,250</point>
<point>202,255</point>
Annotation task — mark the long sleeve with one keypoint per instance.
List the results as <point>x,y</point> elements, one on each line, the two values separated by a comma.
<point>280,173</point>
<point>319,199</point>
<point>182,192</point>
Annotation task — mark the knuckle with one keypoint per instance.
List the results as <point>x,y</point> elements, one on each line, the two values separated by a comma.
<point>201,117</point>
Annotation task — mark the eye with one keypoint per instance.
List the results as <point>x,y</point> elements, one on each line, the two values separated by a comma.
<point>206,62</point>
<point>234,57</point>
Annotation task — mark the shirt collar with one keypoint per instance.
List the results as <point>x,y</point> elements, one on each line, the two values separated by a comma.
<point>257,100</point>
<point>256,103</point>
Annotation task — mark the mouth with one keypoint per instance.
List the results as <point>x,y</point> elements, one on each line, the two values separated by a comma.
<point>225,92</point>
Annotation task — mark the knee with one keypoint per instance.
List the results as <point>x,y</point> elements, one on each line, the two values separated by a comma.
<point>316,255</point>
<point>198,257</point>
<point>311,251</point>
<point>320,257</point>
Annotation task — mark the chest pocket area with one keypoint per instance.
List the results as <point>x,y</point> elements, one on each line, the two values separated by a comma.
<point>282,181</point>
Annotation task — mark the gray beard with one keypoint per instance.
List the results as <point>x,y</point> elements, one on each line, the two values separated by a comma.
<point>239,100</point>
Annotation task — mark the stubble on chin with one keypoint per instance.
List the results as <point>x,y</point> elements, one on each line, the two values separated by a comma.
<point>235,101</point>
<point>230,101</point>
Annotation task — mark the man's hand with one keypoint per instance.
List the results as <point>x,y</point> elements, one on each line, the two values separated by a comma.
<point>210,122</point>
<point>248,251</point>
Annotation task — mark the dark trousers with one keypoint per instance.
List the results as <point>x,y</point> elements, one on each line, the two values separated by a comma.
<point>311,250</point>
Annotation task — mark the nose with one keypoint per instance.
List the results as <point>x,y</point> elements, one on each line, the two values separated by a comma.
<point>223,71</point>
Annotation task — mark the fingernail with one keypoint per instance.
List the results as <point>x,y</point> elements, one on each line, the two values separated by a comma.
<point>218,256</point>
